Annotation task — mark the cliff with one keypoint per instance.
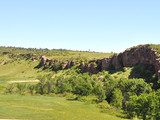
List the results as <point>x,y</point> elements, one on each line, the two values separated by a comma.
<point>141,54</point>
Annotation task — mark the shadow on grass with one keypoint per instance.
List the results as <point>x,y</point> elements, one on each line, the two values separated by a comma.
<point>71,99</point>
<point>112,71</point>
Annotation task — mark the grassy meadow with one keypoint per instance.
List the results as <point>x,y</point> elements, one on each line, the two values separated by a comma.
<point>43,107</point>
<point>53,108</point>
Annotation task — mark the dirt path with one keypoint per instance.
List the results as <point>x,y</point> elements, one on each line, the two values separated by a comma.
<point>20,81</point>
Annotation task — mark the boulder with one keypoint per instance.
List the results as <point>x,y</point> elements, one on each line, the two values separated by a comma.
<point>73,63</point>
<point>65,65</point>
<point>43,61</point>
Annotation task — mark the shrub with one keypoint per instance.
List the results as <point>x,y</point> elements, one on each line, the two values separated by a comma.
<point>145,106</point>
<point>9,88</point>
<point>117,98</point>
<point>21,87</point>
<point>31,89</point>
<point>83,89</point>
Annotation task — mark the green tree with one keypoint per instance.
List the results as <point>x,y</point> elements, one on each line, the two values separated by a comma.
<point>63,85</point>
<point>42,83</point>
<point>109,86</point>
<point>21,87</point>
<point>145,106</point>
<point>49,82</point>
<point>98,90</point>
<point>116,99</point>
<point>83,89</point>
<point>31,88</point>
<point>10,88</point>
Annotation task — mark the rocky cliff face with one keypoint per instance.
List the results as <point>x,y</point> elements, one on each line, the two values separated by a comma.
<point>51,63</point>
<point>141,54</point>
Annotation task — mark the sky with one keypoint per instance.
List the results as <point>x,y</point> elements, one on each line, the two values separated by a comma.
<point>95,25</point>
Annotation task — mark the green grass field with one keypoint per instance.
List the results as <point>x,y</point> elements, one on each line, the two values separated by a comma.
<point>19,70</point>
<point>42,107</point>
<point>45,108</point>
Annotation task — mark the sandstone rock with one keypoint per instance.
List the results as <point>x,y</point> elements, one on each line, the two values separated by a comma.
<point>33,58</point>
<point>100,78</point>
<point>116,61</point>
<point>92,61</point>
<point>93,69</point>
<point>130,57</point>
<point>73,63</point>
<point>65,65</point>
<point>106,62</point>
<point>142,54</point>
<point>158,74</point>
<point>43,61</point>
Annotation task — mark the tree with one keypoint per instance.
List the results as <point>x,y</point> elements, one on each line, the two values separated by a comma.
<point>10,88</point>
<point>42,83</point>
<point>130,87</point>
<point>83,89</point>
<point>109,86</point>
<point>49,82</point>
<point>31,88</point>
<point>98,90</point>
<point>145,106</point>
<point>21,87</point>
<point>116,99</point>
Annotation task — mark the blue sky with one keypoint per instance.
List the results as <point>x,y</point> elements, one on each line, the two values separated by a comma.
<point>98,25</point>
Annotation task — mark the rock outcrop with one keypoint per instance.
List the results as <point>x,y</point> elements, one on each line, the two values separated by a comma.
<point>51,63</point>
<point>130,57</point>
<point>141,54</point>
<point>91,67</point>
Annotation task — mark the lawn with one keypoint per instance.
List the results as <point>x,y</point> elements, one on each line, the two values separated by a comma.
<point>45,108</point>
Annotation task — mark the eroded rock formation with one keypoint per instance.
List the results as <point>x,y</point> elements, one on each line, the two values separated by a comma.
<point>48,62</point>
<point>141,54</point>
<point>130,57</point>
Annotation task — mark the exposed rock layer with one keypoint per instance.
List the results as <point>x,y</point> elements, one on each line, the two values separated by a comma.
<point>140,54</point>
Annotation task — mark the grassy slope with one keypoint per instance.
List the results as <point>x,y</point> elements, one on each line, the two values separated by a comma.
<point>43,107</point>
<point>60,55</point>
<point>19,70</point>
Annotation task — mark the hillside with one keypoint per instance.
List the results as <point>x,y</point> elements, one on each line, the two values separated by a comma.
<point>19,63</point>
<point>58,54</point>
<point>107,82</point>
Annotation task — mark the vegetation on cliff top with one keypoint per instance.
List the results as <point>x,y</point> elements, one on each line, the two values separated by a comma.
<point>156,47</point>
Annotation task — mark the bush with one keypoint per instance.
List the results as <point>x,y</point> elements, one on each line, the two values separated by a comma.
<point>83,89</point>
<point>98,90</point>
<point>21,87</point>
<point>145,106</point>
<point>31,89</point>
<point>117,98</point>
<point>10,88</point>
